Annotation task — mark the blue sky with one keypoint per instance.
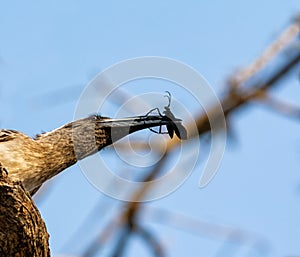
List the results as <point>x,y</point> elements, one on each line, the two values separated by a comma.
<point>48,47</point>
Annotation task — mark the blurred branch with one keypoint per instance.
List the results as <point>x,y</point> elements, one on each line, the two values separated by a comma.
<point>279,106</point>
<point>233,100</point>
<point>129,216</point>
<point>285,38</point>
<point>150,240</point>
<point>126,222</point>
<point>237,96</point>
<point>202,228</point>
<point>102,239</point>
<point>136,229</point>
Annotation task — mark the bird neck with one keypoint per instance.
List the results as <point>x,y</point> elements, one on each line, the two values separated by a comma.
<point>73,141</point>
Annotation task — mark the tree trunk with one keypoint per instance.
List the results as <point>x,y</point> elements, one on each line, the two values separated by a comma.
<point>22,230</point>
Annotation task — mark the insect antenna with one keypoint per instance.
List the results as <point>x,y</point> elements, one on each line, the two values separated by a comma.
<point>169,98</point>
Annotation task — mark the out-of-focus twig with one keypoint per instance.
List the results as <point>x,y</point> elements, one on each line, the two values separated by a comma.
<point>279,106</point>
<point>150,240</point>
<point>271,51</point>
<point>236,98</point>
<point>136,229</point>
<point>129,217</point>
<point>125,222</point>
<point>202,228</point>
<point>231,102</point>
<point>103,238</point>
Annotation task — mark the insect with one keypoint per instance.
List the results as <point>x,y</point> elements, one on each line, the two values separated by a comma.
<point>176,125</point>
